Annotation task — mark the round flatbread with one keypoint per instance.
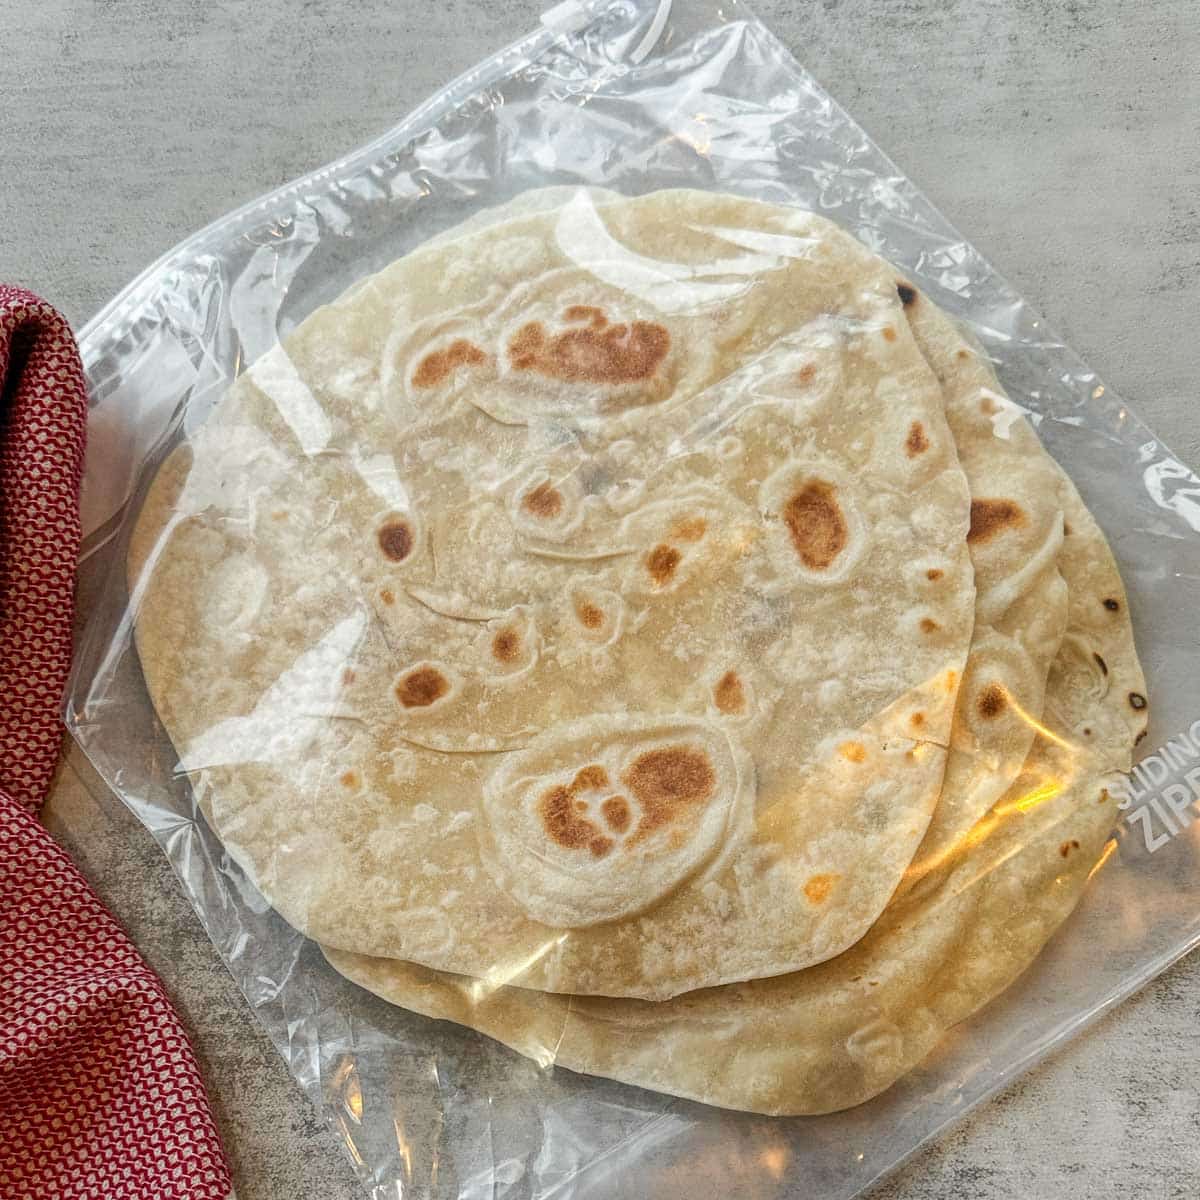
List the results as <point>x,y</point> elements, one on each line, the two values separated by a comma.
<point>581,603</point>
<point>839,1033</point>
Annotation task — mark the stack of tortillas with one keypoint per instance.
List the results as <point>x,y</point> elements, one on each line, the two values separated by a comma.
<point>643,630</point>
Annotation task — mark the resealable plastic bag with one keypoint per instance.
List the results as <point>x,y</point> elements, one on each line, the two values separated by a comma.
<point>629,97</point>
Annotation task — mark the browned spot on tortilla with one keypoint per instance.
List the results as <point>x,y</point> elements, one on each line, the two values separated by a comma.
<point>988,406</point>
<point>929,626</point>
<point>916,442</point>
<point>396,539</point>
<point>564,825</point>
<point>280,514</point>
<point>544,501</point>
<point>1137,701</point>
<point>854,752</point>
<point>422,687</point>
<point>1066,528</point>
<point>581,806</point>
<point>1067,847</point>
<point>661,563</point>
<point>951,680</point>
<point>991,517</point>
<point>350,779</point>
<point>616,813</point>
<point>1140,736</point>
<point>594,354</point>
<point>814,520</point>
<point>586,312</point>
<point>348,675</point>
<point>1100,662</point>
<point>387,595</point>
<point>689,529</point>
<point>917,720</point>
<point>806,374</point>
<point>991,702</point>
<point>934,574</point>
<point>729,695</point>
<point>889,334</point>
<point>963,354</point>
<point>589,779</point>
<point>436,366</point>
<point>667,782</point>
<point>506,645</point>
<point>817,889</point>
<point>907,294</point>
<point>590,615</point>
<point>1111,604</point>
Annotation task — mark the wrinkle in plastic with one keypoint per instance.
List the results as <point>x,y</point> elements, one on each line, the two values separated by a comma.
<point>630,97</point>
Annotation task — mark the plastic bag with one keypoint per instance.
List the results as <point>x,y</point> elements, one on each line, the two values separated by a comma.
<point>632,97</point>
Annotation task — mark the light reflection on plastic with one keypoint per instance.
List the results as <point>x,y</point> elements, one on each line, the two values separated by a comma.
<point>775,1160</point>
<point>1110,848</point>
<point>499,977</point>
<point>1039,795</point>
<point>403,1147</point>
<point>1035,724</point>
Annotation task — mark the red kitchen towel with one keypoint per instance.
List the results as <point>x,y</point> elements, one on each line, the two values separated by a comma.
<point>100,1097</point>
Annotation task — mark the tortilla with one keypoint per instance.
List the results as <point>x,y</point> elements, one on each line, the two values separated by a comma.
<point>583,602</point>
<point>838,1033</point>
<point>1016,536</point>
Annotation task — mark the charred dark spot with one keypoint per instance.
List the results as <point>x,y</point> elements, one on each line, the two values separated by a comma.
<point>506,646</point>
<point>591,616</point>
<point>1066,529</point>
<point>667,782</point>
<point>1100,662</point>
<point>991,517</point>
<point>589,779</point>
<point>1087,733</point>
<point>605,353</point>
<point>1137,701</point>
<point>586,312</point>
<point>818,887</point>
<point>661,563</point>
<point>566,826</point>
<point>543,501</point>
<point>729,695</point>
<point>854,752</point>
<point>1140,737</point>
<point>616,813</point>
<point>422,687</point>
<point>929,626</point>
<point>435,367</point>
<point>396,540</point>
<point>814,519</point>
<point>992,701</point>
<point>934,574</point>
<point>1111,604</point>
<point>916,442</point>
<point>907,294</point>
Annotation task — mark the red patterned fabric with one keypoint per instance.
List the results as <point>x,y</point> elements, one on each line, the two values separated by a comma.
<point>100,1097</point>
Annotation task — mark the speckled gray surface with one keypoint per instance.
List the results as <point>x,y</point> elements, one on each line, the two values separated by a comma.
<point>1063,136</point>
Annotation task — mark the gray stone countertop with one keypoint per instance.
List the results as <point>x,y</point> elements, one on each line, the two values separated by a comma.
<point>1062,136</point>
